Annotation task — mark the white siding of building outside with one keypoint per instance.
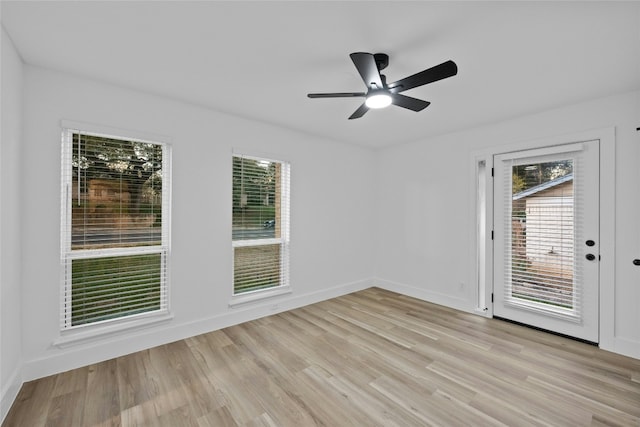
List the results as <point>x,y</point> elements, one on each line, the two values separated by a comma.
<point>550,234</point>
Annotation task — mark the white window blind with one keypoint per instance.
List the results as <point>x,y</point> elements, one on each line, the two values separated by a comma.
<point>115,228</point>
<point>541,206</point>
<point>260,226</point>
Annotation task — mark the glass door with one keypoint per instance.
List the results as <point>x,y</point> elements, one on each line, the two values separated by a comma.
<point>546,238</point>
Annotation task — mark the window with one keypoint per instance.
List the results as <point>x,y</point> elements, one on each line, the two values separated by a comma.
<point>543,261</point>
<point>260,226</point>
<point>115,228</point>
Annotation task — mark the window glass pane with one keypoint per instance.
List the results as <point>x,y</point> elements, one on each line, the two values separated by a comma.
<point>116,193</point>
<point>260,212</point>
<point>256,267</point>
<point>109,287</point>
<point>114,228</point>
<point>542,251</point>
<point>256,199</point>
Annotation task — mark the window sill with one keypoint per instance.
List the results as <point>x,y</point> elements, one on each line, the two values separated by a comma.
<point>77,337</point>
<point>259,296</point>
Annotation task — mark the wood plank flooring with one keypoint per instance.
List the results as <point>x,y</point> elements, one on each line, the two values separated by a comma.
<point>372,358</point>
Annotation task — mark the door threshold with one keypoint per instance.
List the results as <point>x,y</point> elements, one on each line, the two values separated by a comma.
<point>546,330</point>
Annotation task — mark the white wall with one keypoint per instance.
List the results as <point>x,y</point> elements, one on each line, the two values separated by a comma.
<point>330,230</point>
<point>426,198</point>
<point>10,248</point>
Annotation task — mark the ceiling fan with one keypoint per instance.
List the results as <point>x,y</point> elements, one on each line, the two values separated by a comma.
<point>380,94</point>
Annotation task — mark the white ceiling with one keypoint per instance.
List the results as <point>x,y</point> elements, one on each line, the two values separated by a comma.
<point>259,59</point>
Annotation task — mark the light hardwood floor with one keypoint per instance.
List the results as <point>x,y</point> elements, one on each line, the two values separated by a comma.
<point>372,358</point>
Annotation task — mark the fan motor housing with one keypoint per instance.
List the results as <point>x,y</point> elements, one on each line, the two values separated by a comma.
<point>382,60</point>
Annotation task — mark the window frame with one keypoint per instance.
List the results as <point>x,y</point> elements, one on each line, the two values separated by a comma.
<point>283,240</point>
<point>68,254</point>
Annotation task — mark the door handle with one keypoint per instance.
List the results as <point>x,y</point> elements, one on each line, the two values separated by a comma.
<point>590,257</point>
<point>589,243</point>
<point>636,261</point>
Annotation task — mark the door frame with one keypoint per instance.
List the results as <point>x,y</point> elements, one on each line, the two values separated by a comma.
<point>483,250</point>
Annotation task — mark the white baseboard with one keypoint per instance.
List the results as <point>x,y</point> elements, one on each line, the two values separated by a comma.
<point>9,393</point>
<point>425,295</point>
<point>625,347</point>
<point>114,346</point>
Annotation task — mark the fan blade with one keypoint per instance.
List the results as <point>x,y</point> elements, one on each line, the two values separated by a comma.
<point>366,65</point>
<point>359,112</point>
<point>336,95</point>
<point>433,74</point>
<point>408,102</point>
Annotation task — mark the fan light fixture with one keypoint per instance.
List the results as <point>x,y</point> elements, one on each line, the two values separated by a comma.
<point>378,100</point>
